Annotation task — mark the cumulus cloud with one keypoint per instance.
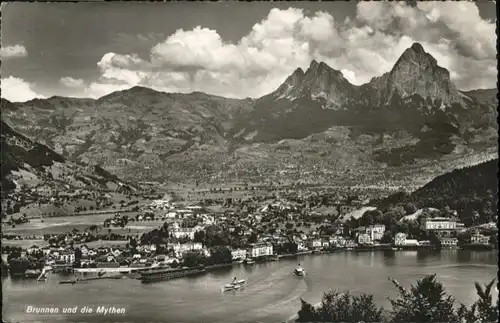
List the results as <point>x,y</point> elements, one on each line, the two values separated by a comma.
<point>16,89</point>
<point>14,51</point>
<point>72,82</point>
<point>362,47</point>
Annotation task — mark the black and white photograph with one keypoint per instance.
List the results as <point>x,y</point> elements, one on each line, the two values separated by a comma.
<point>249,161</point>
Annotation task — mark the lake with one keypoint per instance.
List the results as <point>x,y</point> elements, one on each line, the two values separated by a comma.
<point>272,295</point>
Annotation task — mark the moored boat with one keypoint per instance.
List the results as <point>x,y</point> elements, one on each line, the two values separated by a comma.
<point>32,273</point>
<point>154,275</point>
<point>249,261</point>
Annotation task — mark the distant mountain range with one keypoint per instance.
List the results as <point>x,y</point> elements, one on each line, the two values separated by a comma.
<point>316,118</point>
<point>467,190</point>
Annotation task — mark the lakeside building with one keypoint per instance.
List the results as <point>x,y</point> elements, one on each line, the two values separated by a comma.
<point>181,248</point>
<point>350,244</point>
<point>364,238</point>
<point>411,243</point>
<point>337,241</point>
<point>401,240</point>
<point>449,242</point>
<point>301,246</point>
<point>314,244</point>
<point>260,250</point>
<point>376,232</point>
<point>239,254</point>
<point>68,258</point>
<point>439,223</point>
<point>478,238</point>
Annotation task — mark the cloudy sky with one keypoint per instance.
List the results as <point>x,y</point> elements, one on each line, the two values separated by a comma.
<point>234,49</point>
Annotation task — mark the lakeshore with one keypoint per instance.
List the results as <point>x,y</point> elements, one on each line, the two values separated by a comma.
<point>272,295</point>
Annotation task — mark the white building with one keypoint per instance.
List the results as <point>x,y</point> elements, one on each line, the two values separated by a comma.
<point>180,249</point>
<point>364,238</point>
<point>449,242</point>
<point>337,241</point>
<point>170,215</point>
<point>67,257</point>
<point>411,242</point>
<point>261,250</point>
<point>478,238</point>
<point>178,232</point>
<point>399,239</point>
<point>314,243</point>
<point>301,246</point>
<point>239,254</point>
<point>376,231</point>
<point>439,224</point>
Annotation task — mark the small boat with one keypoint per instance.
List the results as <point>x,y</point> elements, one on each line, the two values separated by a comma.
<point>32,273</point>
<point>235,285</point>
<point>249,261</point>
<point>299,271</point>
<point>44,275</point>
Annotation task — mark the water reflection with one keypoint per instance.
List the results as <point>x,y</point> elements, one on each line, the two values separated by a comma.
<point>389,257</point>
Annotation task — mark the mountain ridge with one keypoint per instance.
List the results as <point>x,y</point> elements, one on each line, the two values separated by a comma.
<point>149,133</point>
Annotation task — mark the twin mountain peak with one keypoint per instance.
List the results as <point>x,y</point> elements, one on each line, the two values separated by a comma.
<point>415,72</point>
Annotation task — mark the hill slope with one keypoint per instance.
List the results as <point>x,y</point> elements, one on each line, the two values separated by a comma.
<point>467,190</point>
<point>34,174</point>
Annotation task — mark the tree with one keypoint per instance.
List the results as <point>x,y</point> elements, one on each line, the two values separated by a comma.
<point>78,257</point>
<point>192,259</point>
<point>307,312</point>
<point>494,240</point>
<point>434,240</point>
<point>252,238</point>
<point>341,307</point>
<point>220,255</point>
<point>427,301</point>
<point>483,310</point>
<point>410,208</point>
<point>387,237</point>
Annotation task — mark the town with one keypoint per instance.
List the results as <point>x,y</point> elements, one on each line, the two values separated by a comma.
<point>229,231</point>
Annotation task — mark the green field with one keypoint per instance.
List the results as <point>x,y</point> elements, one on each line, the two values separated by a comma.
<point>25,244</point>
<point>67,223</point>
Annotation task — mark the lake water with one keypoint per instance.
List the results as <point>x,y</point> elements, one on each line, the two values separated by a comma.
<point>272,295</point>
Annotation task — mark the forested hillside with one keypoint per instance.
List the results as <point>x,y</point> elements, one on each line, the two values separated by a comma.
<point>471,191</point>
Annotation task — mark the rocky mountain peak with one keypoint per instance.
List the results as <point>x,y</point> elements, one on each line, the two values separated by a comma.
<point>417,72</point>
<point>417,48</point>
<point>416,55</point>
<point>319,82</point>
<point>315,69</point>
<point>314,65</point>
<point>295,78</point>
